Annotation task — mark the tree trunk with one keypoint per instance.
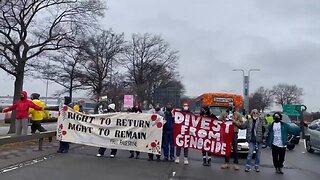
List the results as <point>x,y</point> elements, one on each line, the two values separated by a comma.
<point>18,84</point>
<point>70,89</point>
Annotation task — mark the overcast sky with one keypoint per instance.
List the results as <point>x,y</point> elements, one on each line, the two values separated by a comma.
<point>213,37</point>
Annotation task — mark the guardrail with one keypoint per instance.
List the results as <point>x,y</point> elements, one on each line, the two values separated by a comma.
<point>13,138</point>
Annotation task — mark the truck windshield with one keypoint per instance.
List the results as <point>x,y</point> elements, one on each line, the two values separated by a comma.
<point>217,110</point>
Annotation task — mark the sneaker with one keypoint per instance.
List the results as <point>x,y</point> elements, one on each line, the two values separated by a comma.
<point>236,167</point>
<point>177,160</point>
<point>247,169</point>
<point>257,169</point>
<point>225,166</point>
<point>99,155</point>
<point>111,155</point>
<point>185,161</point>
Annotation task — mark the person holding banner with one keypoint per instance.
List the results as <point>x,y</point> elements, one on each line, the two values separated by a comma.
<point>135,109</point>
<point>255,138</point>
<point>206,156</point>
<point>167,134</point>
<point>102,150</point>
<point>159,112</point>
<point>185,109</point>
<point>237,121</point>
<point>64,146</point>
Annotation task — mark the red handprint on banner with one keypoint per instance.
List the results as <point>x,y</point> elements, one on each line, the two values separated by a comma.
<point>154,147</point>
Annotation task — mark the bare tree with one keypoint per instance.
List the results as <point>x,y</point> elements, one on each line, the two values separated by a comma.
<point>100,63</point>
<point>64,68</point>
<point>150,62</point>
<point>30,28</point>
<point>287,94</point>
<point>261,99</point>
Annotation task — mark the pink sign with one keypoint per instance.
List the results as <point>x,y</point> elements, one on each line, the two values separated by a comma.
<point>128,101</point>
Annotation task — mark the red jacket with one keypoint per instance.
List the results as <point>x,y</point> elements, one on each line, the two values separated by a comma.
<point>22,107</point>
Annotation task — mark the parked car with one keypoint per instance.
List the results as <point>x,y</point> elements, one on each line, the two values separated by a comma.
<point>312,140</point>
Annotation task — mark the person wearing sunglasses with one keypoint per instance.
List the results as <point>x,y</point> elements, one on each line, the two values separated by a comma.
<point>256,134</point>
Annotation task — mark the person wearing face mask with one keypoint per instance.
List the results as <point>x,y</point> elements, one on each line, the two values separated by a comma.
<point>167,134</point>
<point>161,113</point>
<point>278,138</point>
<point>22,113</point>
<point>135,109</point>
<point>185,109</point>
<point>206,156</point>
<point>255,138</point>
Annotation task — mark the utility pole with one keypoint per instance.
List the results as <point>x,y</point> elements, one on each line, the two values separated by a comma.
<point>246,82</point>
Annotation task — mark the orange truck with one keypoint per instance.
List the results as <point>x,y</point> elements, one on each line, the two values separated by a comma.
<point>219,102</point>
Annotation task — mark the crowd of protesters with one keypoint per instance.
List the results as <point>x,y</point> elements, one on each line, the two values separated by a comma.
<point>259,130</point>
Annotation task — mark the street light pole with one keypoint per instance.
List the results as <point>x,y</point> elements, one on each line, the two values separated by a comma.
<point>246,81</point>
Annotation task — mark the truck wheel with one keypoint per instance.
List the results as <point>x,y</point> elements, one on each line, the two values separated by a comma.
<point>290,146</point>
<point>308,146</point>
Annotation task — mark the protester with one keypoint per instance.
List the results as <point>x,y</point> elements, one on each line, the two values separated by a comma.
<point>185,109</point>
<point>64,146</point>
<point>135,109</point>
<point>79,106</point>
<point>37,115</point>
<point>278,139</point>
<point>237,121</point>
<point>151,109</point>
<point>102,150</point>
<point>22,113</point>
<point>167,134</point>
<point>159,112</point>
<point>206,156</point>
<point>255,138</point>
<point>269,119</point>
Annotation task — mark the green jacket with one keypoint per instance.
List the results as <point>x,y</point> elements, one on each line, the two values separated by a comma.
<point>285,130</point>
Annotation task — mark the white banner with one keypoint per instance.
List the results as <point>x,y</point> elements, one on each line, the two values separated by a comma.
<point>128,131</point>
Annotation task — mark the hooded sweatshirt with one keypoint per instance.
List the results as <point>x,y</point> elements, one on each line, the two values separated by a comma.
<point>22,107</point>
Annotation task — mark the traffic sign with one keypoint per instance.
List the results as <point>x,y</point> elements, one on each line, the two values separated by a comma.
<point>293,110</point>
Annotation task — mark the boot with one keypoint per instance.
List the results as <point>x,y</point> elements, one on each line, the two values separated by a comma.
<point>209,162</point>
<point>204,161</point>
<point>280,171</point>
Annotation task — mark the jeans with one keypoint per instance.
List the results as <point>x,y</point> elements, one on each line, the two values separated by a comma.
<point>257,148</point>
<point>168,144</point>
<point>235,150</point>
<point>185,151</point>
